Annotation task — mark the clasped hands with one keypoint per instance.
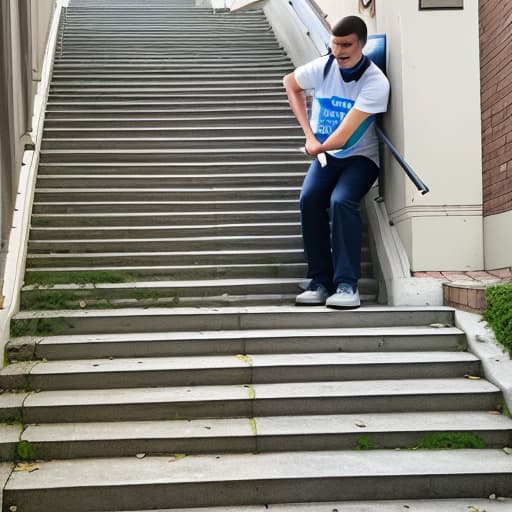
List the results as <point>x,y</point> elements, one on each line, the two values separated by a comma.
<point>313,147</point>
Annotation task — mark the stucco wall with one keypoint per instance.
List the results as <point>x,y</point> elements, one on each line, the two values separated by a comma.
<point>24,25</point>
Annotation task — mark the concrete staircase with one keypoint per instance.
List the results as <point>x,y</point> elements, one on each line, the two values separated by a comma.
<point>170,167</point>
<point>169,177</point>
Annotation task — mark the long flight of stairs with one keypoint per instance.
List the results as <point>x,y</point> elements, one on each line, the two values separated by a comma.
<point>157,362</point>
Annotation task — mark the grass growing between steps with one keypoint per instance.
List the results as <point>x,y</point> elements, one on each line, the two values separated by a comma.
<point>499,313</point>
<point>435,441</point>
<point>85,277</point>
<point>26,450</point>
<point>450,440</point>
<point>95,298</point>
<point>39,326</point>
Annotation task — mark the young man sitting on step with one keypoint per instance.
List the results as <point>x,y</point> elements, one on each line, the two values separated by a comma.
<point>349,90</point>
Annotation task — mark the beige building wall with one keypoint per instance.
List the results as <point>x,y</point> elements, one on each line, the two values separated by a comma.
<point>24,30</point>
<point>434,120</point>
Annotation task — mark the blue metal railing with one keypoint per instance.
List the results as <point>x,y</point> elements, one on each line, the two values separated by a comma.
<point>318,30</point>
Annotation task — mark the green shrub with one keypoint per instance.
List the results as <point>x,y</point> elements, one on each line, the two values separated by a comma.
<point>499,313</point>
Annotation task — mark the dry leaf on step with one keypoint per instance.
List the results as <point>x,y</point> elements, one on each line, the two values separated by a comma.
<point>360,424</point>
<point>472,377</point>
<point>26,466</point>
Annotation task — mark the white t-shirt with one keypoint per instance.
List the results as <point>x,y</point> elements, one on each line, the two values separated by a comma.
<point>333,98</point>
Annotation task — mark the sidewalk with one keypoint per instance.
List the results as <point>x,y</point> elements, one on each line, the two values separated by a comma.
<point>466,290</point>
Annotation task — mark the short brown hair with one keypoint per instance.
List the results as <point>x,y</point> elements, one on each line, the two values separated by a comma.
<point>351,25</point>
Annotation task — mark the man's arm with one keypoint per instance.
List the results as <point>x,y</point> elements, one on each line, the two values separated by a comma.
<point>297,100</point>
<point>348,126</point>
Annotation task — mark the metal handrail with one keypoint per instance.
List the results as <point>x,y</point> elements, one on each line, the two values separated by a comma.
<point>418,183</point>
<point>310,14</point>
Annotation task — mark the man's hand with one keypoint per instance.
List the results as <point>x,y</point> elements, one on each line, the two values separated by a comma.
<point>313,146</point>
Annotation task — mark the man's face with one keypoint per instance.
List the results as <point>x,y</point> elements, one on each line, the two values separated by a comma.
<point>348,50</point>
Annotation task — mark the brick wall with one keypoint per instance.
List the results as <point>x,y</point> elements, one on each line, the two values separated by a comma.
<point>496,90</point>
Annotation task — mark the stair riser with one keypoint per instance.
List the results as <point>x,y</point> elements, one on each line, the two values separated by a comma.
<point>301,318</point>
<point>193,272</point>
<point>258,407</point>
<point>178,132</point>
<point>228,376</point>
<point>166,232</point>
<point>188,171</point>
<point>164,120</point>
<point>42,299</point>
<point>291,345</point>
<point>292,142</point>
<point>45,195</point>
<point>71,449</point>
<point>281,155</point>
<point>206,222</point>
<point>123,260</point>
<point>202,494</point>
<point>169,181</point>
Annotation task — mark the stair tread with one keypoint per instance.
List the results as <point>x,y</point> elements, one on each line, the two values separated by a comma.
<point>411,505</point>
<point>254,361</point>
<point>225,393</point>
<point>107,472</point>
<point>265,426</point>
<point>250,334</point>
<point>257,310</point>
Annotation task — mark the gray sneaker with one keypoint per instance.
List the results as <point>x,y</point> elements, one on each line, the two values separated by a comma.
<point>315,295</point>
<point>344,298</point>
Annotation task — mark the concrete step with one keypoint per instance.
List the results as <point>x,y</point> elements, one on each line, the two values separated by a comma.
<point>214,480</point>
<point>252,400</point>
<point>125,258</point>
<point>193,142</point>
<point>124,273</point>
<point>236,369</point>
<point>233,342</point>
<point>131,132</point>
<point>277,152</point>
<point>229,318</point>
<point>142,181</point>
<point>158,249</point>
<point>187,169</point>
<point>165,194</point>
<point>171,293</point>
<point>98,226</point>
<point>70,212</point>
<point>163,119</point>
<point>256,435</point>
<point>434,505</point>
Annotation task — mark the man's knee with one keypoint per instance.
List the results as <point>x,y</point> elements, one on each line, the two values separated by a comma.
<point>343,204</point>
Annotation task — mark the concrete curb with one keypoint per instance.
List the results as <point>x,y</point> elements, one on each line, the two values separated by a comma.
<point>496,361</point>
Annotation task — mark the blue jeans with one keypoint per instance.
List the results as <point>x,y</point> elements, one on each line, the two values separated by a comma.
<point>333,251</point>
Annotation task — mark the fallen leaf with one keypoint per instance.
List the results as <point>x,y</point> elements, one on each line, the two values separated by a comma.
<point>13,508</point>
<point>507,450</point>
<point>26,466</point>
<point>472,377</point>
<point>83,304</point>
<point>177,456</point>
<point>439,326</point>
<point>472,508</point>
<point>360,424</point>
<point>492,496</point>
<point>140,455</point>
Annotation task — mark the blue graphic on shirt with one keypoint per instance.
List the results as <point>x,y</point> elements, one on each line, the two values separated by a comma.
<point>331,113</point>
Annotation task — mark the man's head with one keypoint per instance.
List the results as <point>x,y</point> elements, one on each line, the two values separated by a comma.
<point>347,41</point>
